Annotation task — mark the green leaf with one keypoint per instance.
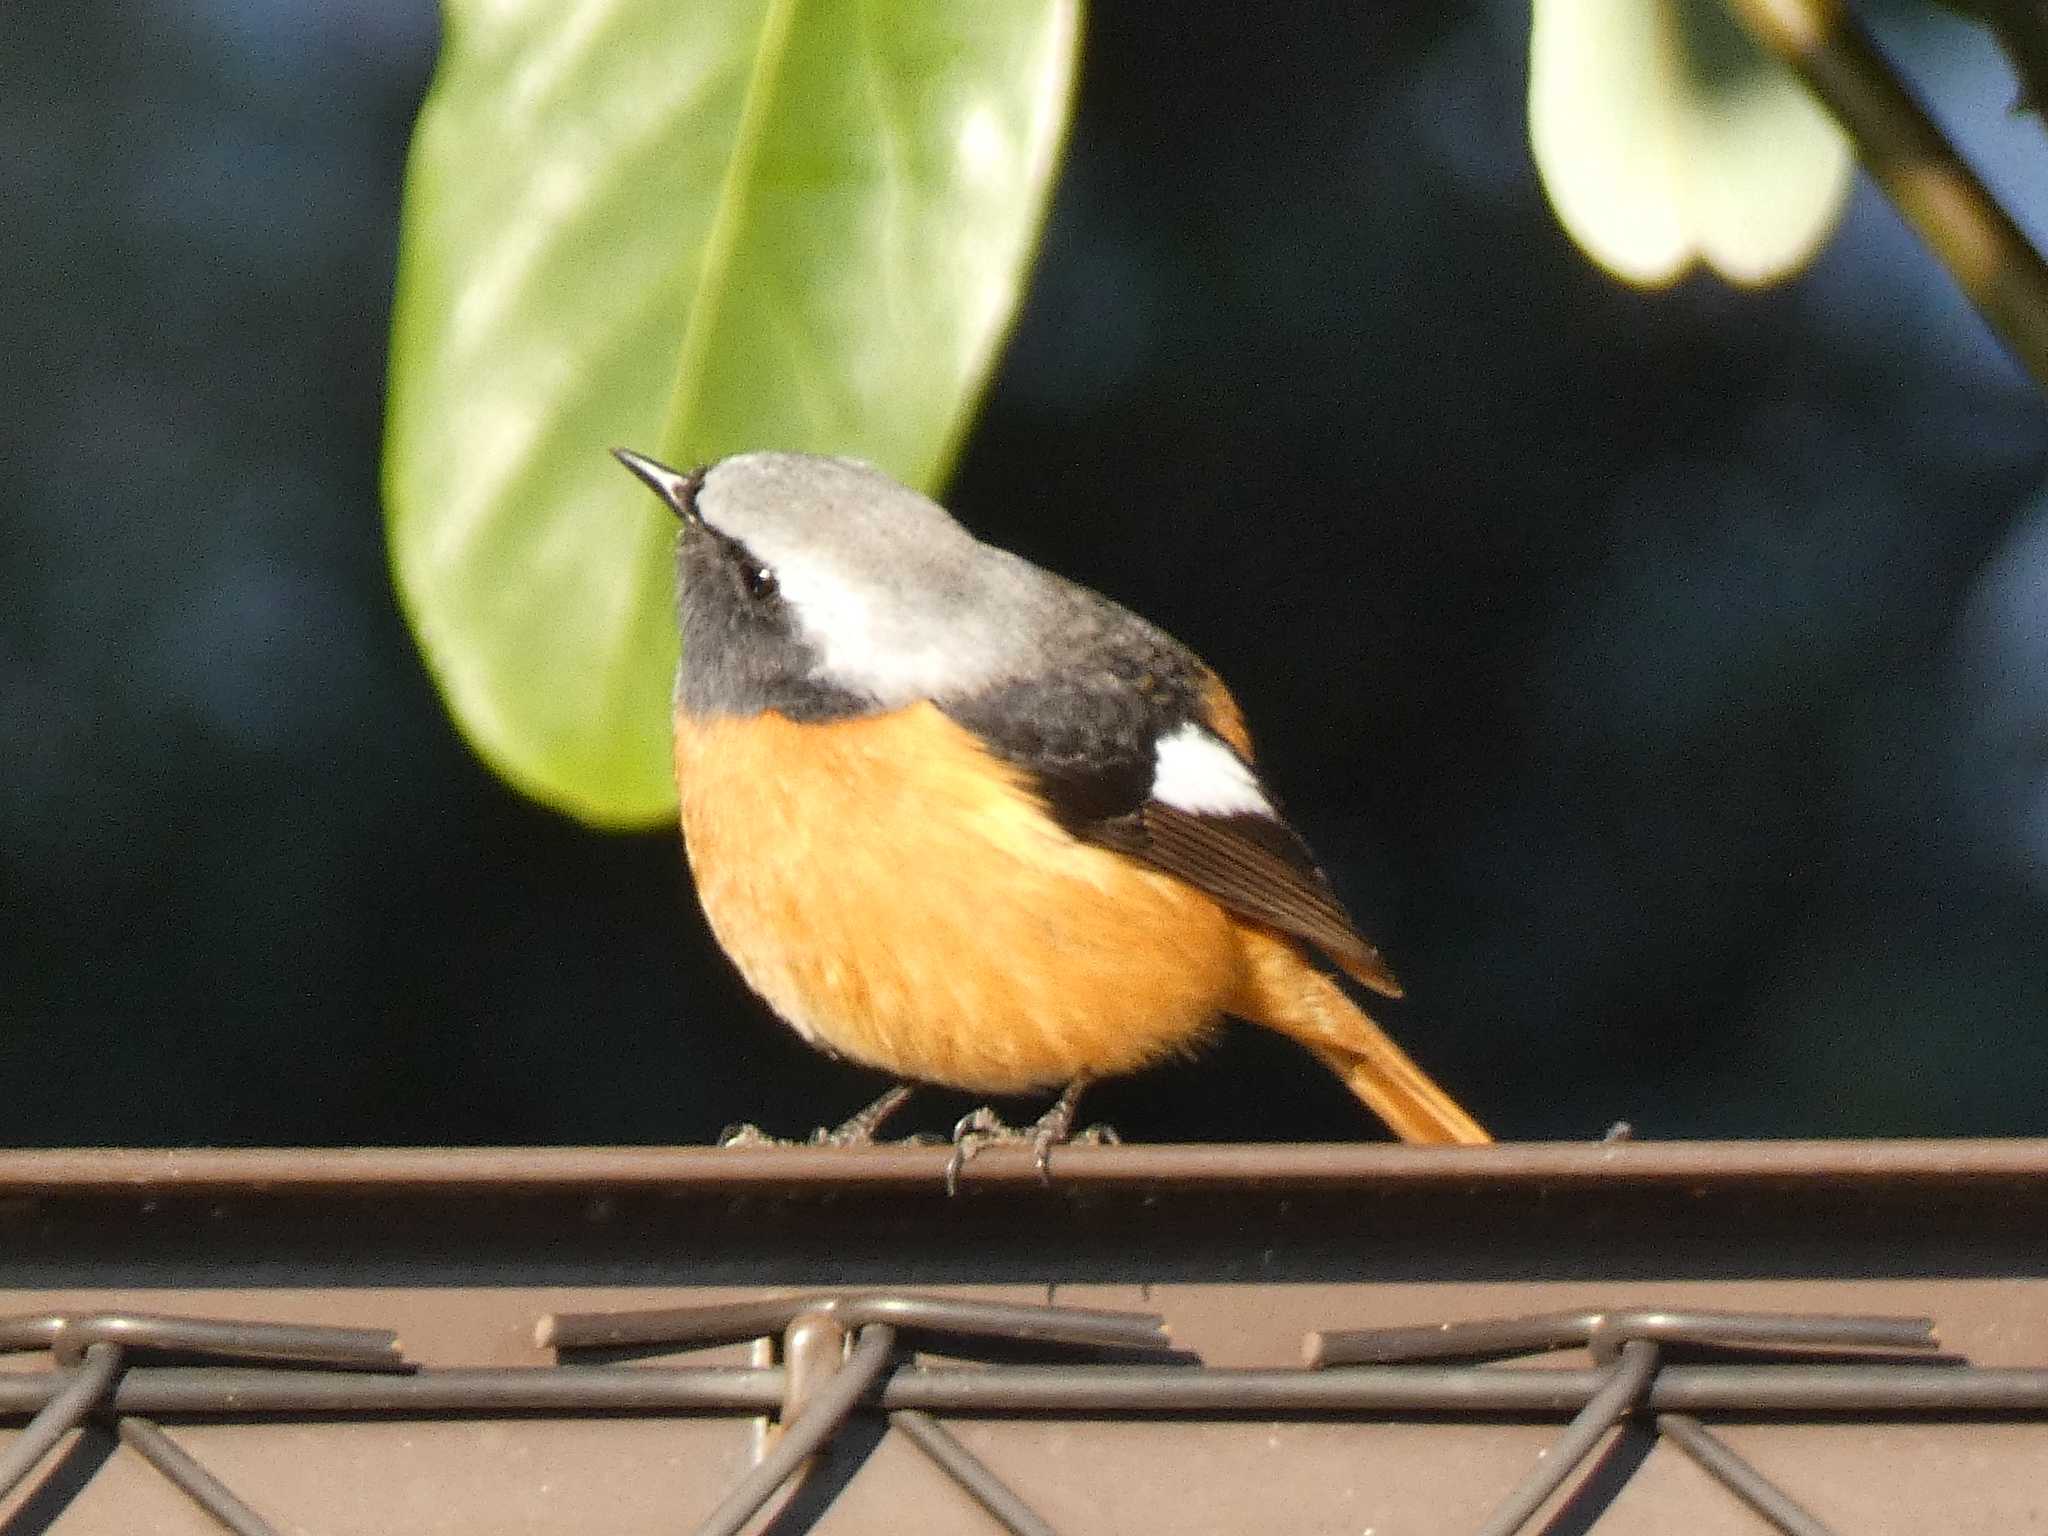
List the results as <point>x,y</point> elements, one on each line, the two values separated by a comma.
<point>1666,138</point>
<point>692,229</point>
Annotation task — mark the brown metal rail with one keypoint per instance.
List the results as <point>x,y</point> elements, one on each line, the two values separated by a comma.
<point>1769,1253</point>
<point>893,1168</point>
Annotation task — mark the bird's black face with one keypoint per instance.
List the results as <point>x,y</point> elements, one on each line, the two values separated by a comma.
<point>743,652</point>
<point>821,589</point>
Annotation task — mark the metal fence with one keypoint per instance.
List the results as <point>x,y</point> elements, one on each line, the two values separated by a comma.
<point>809,1401</point>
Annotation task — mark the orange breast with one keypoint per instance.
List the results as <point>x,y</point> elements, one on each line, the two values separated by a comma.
<point>896,895</point>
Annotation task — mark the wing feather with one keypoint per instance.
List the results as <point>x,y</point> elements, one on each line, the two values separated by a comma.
<point>1258,868</point>
<point>1088,736</point>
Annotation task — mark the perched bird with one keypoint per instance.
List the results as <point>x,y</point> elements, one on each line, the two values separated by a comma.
<point>964,821</point>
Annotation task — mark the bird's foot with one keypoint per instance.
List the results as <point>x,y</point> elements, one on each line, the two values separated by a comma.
<point>983,1127</point>
<point>858,1130</point>
<point>748,1134</point>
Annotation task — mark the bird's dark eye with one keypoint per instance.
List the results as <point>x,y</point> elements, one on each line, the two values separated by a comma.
<point>761,583</point>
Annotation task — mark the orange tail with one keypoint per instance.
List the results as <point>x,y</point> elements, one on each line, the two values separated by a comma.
<point>1285,993</point>
<point>1401,1093</point>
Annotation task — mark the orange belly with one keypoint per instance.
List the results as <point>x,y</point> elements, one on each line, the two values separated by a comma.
<point>895,894</point>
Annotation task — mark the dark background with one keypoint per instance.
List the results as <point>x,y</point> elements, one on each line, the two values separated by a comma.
<point>1663,677</point>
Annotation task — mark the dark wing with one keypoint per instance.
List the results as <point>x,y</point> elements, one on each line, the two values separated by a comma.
<point>1089,739</point>
<point>1259,868</point>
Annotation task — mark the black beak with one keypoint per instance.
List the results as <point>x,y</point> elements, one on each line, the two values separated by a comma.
<point>678,490</point>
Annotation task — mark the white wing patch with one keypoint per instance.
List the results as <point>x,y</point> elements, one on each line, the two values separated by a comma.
<point>1195,772</point>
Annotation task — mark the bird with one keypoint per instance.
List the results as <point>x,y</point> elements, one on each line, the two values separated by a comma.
<point>964,821</point>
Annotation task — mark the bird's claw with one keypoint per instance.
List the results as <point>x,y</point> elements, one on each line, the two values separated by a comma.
<point>974,1130</point>
<point>751,1135</point>
<point>859,1129</point>
<point>856,1130</point>
<point>842,1136</point>
<point>982,1128</point>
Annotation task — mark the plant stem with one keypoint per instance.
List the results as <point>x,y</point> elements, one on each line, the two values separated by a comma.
<point>1957,216</point>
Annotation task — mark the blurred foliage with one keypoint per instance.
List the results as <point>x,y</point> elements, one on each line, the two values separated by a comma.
<point>690,229</point>
<point>1666,138</point>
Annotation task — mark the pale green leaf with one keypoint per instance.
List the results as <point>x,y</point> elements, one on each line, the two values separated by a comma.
<point>690,229</point>
<point>1666,138</point>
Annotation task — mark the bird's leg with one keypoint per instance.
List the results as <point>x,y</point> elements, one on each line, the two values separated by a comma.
<point>982,1127</point>
<point>1055,1126</point>
<point>858,1130</point>
<point>855,1131</point>
<point>974,1130</point>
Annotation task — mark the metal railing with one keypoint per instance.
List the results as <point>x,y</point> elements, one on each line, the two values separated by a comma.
<point>846,1355</point>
